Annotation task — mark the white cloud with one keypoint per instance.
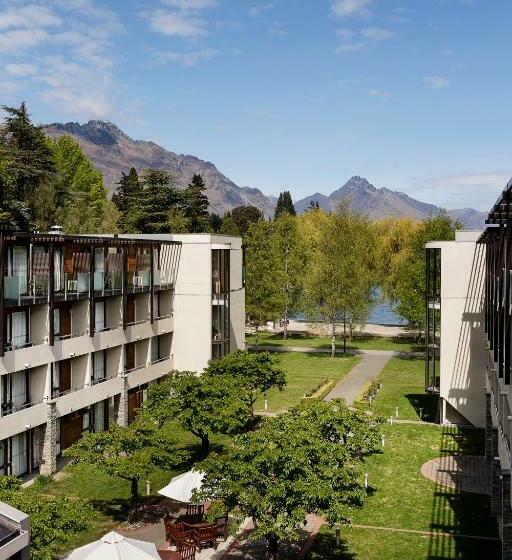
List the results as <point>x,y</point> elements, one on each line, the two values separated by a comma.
<point>343,8</point>
<point>437,82</point>
<point>376,34</point>
<point>349,48</point>
<point>190,4</point>
<point>21,69</point>
<point>256,11</point>
<point>364,38</point>
<point>176,24</point>
<point>17,40</point>
<point>185,59</point>
<point>8,88</point>
<point>30,16</point>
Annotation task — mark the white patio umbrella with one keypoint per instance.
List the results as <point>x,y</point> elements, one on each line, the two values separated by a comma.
<point>182,486</point>
<point>114,546</point>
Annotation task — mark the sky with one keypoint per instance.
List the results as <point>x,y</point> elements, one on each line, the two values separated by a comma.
<point>283,94</point>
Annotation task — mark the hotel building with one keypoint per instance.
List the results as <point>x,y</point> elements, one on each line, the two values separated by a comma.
<point>88,322</point>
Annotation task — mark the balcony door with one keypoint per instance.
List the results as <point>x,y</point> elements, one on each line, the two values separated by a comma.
<point>61,377</point>
<point>65,321</point>
<point>130,310</point>
<point>129,356</point>
<point>17,329</point>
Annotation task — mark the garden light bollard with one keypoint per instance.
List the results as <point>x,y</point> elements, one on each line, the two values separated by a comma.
<point>391,420</point>
<point>396,411</point>
<point>366,480</point>
<point>266,404</point>
<point>148,488</point>
<point>383,440</point>
<point>338,536</point>
<point>421,414</point>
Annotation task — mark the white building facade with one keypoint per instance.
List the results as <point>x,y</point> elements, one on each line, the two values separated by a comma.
<point>89,322</point>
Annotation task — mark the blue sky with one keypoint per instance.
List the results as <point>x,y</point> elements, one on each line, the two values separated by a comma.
<point>296,94</point>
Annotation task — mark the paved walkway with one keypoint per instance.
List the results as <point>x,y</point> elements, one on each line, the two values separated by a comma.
<point>466,473</point>
<point>353,384</point>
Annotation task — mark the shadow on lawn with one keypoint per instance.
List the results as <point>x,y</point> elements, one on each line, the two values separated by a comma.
<point>326,549</point>
<point>426,406</point>
<point>459,512</point>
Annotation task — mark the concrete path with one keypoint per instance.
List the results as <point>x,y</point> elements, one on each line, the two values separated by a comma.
<point>353,384</point>
<point>308,350</point>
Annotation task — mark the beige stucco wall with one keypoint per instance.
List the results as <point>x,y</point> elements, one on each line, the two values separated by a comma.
<point>463,353</point>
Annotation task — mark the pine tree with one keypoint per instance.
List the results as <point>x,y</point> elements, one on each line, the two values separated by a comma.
<point>30,163</point>
<point>229,226</point>
<point>129,199</point>
<point>196,205</point>
<point>160,196</point>
<point>215,222</point>
<point>284,204</point>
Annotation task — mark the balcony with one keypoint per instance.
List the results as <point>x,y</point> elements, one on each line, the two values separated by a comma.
<point>10,408</point>
<point>162,280</point>
<point>72,287</point>
<point>18,342</point>
<point>25,290</point>
<point>71,335</point>
<point>138,281</point>
<point>108,283</point>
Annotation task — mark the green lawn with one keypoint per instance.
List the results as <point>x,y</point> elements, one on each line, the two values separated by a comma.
<point>400,344</point>
<point>402,498</point>
<point>403,386</point>
<point>304,372</point>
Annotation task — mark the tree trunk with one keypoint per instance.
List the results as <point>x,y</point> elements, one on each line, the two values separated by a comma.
<point>285,328</point>
<point>205,446</point>
<point>134,489</point>
<point>333,339</point>
<point>272,546</point>
<point>257,338</point>
<point>344,335</point>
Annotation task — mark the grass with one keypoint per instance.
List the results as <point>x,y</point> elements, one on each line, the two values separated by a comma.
<point>360,342</point>
<point>403,387</point>
<point>402,498</point>
<point>304,371</point>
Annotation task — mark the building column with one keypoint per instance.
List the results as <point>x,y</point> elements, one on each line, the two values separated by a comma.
<point>122,412</point>
<point>49,455</point>
<point>488,431</point>
<point>506,541</point>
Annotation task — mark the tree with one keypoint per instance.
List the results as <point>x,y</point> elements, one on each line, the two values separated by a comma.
<point>178,221</point>
<point>30,163</point>
<point>291,259</point>
<point>244,216</point>
<point>229,226</point>
<point>159,197</point>
<point>110,222</point>
<point>129,199</point>
<point>54,521</point>
<point>215,222</point>
<point>404,265</point>
<point>128,452</point>
<point>196,205</point>
<point>341,276</point>
<point>203,405</point>
<point>263,297</point>
<point>258,372</point>
<point>284,205</point>
<point>80,194</point>
<point>301,462</point>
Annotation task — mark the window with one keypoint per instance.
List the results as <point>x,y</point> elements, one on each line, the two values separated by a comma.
<point>19,454</point>
<point>98,366</point>
<point>17,329</point>
<point>99,316</point>
<point>155,349</point>
<point>14,392</point>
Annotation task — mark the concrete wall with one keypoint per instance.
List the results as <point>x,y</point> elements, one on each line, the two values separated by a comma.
<point>39,324</point>
<point>463,353</point>
<point>80,316</point>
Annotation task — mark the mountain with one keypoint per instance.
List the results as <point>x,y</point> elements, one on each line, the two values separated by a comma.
<point>113,152</point>
<point>383,202</point>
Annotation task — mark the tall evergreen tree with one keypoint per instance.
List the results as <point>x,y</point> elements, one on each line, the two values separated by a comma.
<point>160,196</point>
<point>30,163</point>
<point>284,204</point>
<point>129,200</point>
<point>196,205</point>
<point>244,216</point>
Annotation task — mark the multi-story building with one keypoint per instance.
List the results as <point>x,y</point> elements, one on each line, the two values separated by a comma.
<point>14,534</point>
<point>89,321</point>
<point>469,350</point>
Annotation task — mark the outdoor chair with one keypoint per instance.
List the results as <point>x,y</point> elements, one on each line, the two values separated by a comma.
<point>206,536</point>
<point>177,534</point>
<point>222,528</point>
<point>193,510</point>
<point>187,551</point>
<point>167,554</point>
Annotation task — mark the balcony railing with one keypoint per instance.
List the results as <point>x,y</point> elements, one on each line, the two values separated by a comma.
<point>97,381</point>
<point>138,322</point>
<point>72,286</point>
<point>8,408</point>
<point>139,281</point>
<point>108,328</point>
<point>17,342</point>
<point>71,335</point>
<point>136,368</point>
<point>108,283</point>
<point>158,360</point>
<point>22,289</point>
<point>56,393</point>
